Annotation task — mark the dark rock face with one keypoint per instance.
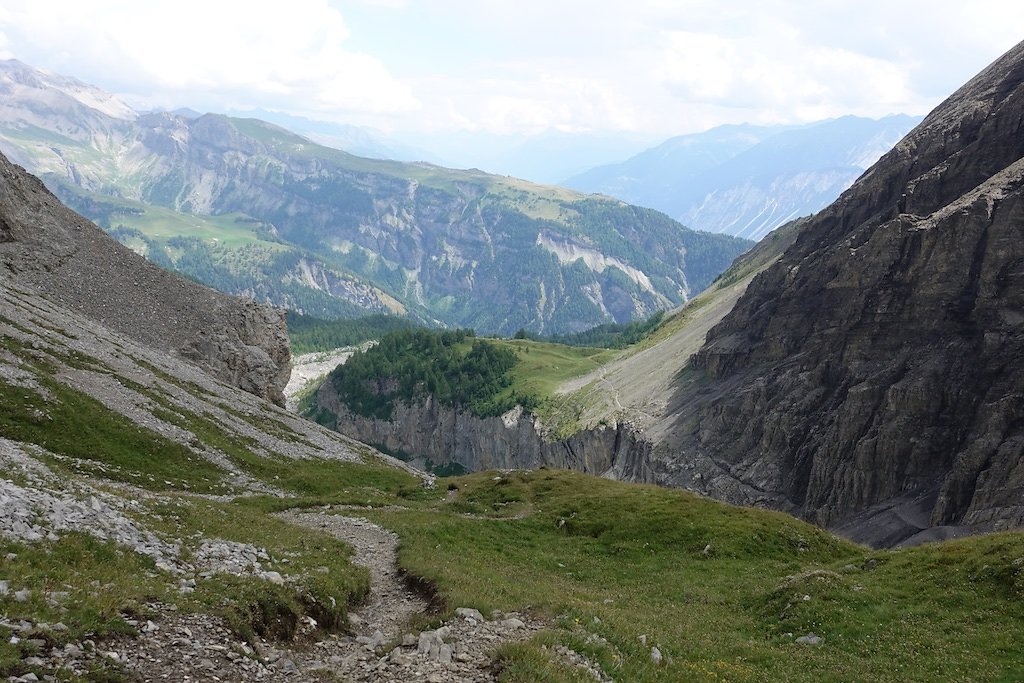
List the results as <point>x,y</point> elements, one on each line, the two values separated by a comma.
<point>427,429</point>
<point>874,376</point>
<point>49,248</point>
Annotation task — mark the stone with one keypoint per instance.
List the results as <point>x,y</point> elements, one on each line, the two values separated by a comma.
<point>470,613</point>
<point>655,656</point>
<point>23,595</point>
<point>513,623</point>
<point>810,639</point>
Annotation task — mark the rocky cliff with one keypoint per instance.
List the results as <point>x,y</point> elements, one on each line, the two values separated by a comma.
<point>873,378</point>
<point>516,440</point>
<point>49,249</point>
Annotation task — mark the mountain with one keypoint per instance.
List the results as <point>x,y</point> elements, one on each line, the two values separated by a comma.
<point>870,380</point>
<point>157,523</point>
<point>253,209</point>
<point>58,254</point>
<point>747,180</point>
<point>356,140</point>
<point>861,368</point>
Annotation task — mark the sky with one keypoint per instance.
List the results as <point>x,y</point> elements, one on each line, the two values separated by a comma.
<point>647,68</point>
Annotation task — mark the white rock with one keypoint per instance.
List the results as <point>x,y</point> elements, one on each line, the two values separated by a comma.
<point>655,656</point>
<point>810,639</point>
<point>470,613</point>
<point>274,578</point>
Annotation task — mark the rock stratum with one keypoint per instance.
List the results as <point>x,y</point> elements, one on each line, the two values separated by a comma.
<point>46,247</point>
<point>442,434</point>
<point>872,380</point>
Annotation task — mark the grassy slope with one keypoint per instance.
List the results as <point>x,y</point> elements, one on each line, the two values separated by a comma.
<point>101,586</point>
<point>612,562</point>
<point>635,384</point>
<point>717,589</point>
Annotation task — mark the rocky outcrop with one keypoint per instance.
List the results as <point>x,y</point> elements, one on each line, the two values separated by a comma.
<point>873,379</point>
<point>48,248</point>
<point>516,440</point>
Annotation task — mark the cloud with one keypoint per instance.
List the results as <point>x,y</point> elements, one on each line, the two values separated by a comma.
<point>657,67</point>
<point>781,75</point>
<point>228,52</point>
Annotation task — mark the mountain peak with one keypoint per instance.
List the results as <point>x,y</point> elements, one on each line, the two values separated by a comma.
<point>16,75</point>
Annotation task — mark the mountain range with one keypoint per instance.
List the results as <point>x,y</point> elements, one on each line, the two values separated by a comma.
<point>747,180</point>
<point>860,368</point>
<point>162,519</point>
<point>251,208</point>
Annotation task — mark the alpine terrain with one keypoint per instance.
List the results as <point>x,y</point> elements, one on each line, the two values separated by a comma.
<point>250,208</point>
<point>860,369</point>
<point>162,519</point>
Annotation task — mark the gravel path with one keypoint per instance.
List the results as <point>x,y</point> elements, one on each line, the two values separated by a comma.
<point>198,647</point>
<point>391,603</point>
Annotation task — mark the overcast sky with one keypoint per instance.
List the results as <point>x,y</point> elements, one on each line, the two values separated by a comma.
<point>651,67</point>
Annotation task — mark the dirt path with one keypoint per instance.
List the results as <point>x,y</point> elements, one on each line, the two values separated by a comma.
<point>391,603</point>
<point>198,647</point>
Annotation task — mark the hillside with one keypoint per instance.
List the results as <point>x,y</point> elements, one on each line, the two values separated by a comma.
<point>748,180</point>
<point>870,379</point>
<point>859,368</point>
<point>58,253</point>
<point>252,209</point>
<point>157,523</point>
<point>421,396</point>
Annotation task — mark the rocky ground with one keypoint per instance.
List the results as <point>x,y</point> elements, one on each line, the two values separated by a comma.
<point>312,366</point>
<point>198,647</point>
<point>177,646</point>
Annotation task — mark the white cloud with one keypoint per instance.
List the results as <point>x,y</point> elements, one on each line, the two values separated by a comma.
<point>225,51</point>
<point>659,67</point>
<point>780,75</point>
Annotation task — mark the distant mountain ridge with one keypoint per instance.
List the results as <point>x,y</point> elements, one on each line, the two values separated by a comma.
<point>254,209</point>
<point>747,180</point>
